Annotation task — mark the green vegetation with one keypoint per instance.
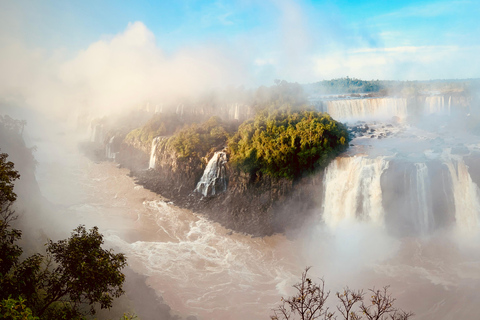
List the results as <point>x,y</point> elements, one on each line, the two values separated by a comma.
<point>388,87</point>
<point>286,144</point>
<point>13,309</point>
<point>196,140</point>
<point>346,85</point>
<point>74,274</point>
<point>158,125</point>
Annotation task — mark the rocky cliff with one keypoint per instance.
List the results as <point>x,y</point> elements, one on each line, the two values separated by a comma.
<point>252,203</point>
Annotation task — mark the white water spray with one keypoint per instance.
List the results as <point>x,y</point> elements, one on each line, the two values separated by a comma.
<point>213,180</point>
<point>466,196</point>
<point>353,190</point>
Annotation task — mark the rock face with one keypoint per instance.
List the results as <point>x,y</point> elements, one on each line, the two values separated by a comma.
<point>250,203</point>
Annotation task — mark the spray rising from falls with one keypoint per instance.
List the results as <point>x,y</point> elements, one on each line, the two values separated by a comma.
<point>214,179</point>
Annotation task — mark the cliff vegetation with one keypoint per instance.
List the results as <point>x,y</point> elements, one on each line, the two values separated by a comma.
<point>286,144</point>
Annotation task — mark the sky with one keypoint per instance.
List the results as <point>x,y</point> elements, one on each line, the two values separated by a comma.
<point>106,46</point>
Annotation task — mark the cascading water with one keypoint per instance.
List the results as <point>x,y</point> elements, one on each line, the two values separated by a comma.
<point>97,134</point>
<point>213,180</point>
<point>466,196</point>
<point>109,149</point>
<point>437,105</point>
<point>423,215</point>
<point>353,190</point>
<point>365,108</point>
<point>153,152</point>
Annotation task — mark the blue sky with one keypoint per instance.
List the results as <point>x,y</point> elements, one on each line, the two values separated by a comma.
<point>192,42</point>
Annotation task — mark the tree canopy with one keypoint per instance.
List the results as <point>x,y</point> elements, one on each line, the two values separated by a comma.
<point>287,144</point>
<point>74,273</point>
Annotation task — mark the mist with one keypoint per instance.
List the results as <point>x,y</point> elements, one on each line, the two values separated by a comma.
<point>60,77</point>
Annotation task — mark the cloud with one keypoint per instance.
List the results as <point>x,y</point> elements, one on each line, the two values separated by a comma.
<point>430,10</point>
<point>404,63</point>
<point>126,70</point>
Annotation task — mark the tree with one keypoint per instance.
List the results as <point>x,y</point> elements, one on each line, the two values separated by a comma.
<point>7,197</point>
<point>12,309</point>
<point>74,273</point>
<point>85,273</point>
<point>309,303</point>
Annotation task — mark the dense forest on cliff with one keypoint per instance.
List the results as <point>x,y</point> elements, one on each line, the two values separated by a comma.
<point>287,144</point>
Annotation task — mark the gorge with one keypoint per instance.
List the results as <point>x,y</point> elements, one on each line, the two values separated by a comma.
<point>400,207</point>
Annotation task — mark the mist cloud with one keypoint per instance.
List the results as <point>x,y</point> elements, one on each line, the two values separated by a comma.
<point>110,75</point>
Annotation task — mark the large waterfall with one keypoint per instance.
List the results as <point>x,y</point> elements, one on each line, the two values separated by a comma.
<point>438,104</point>
<point>466,196</point>
<point>365,108</point>
<point>213,180</point>
<point>402,195</point>
<point>353,191</point>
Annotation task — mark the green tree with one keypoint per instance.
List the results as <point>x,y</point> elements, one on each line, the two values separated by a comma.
<point>85,273</point>
<point>7,177</point>
<point>13,309</point>
<point>286,144</point>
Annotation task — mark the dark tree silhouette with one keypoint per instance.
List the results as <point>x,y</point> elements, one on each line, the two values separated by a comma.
<point>309,303</point>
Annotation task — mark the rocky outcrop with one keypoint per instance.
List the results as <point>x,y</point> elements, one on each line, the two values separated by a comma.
<point>252,203</point>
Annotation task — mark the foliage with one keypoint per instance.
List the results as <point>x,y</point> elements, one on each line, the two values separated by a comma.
<point>7,177</point>
<point>196,140</point>
<point>309,303</point>
<point>85,273</point>
<point>15,309</point>
<point>158,125</point>
<point>75,272</point>
<point>286,144</point>
<point>346,85</point>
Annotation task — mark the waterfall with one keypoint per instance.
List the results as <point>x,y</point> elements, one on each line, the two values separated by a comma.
<point>436,104</point>
<point>363,108</point>
<point>352,190</point>
<point>110,150</point>
<point>153,152</point>
<point>466,196</point>
<point>97,134</point>
<point>423,216</point>
<point>213,180</point>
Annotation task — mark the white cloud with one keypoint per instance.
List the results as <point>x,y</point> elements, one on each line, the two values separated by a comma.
<point>112,74</point>
<point>405,63</point>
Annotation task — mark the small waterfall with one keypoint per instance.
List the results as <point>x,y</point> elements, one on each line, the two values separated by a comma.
<point>153,152</point>
<point>352,190</point>
<point>97,134</point>
<point>213,180</point>
<point>466,196</point>
<point>110,149</point>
